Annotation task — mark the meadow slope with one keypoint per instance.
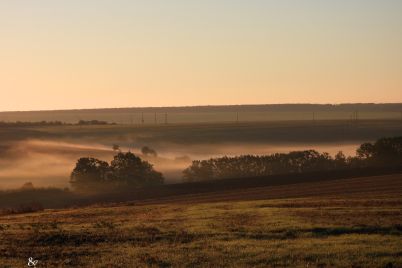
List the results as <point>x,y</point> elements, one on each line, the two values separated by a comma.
<point>339,223</point>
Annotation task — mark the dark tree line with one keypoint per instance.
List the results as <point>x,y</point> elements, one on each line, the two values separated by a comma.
<point>29,124</point>
<point>94,122</point>
<point>53,123</point>
<point>125,170</point>
<point>384,152</point>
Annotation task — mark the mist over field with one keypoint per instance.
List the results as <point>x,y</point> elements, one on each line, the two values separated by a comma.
<point>50,162</point>
<point>44,163</point>
<point>46,155</point>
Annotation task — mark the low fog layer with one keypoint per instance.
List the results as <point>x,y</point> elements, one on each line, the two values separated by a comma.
<point>49,162</point>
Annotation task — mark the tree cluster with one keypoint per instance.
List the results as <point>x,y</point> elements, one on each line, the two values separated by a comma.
<point>30,124</point>
<point>147,151</point>
<point>53,123</point>
<point>93,122</point>
<point>384,152</point>
<point>125,170</point>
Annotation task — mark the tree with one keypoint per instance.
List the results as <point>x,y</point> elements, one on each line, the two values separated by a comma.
<point>384,152</point>
<point>116,147</point>
<point>365,151</point>
<point>388,148</point>
<point>89,172</point>
<point>28,186</point>
<point>199,170</point>
<point>126,169</point>
<point>148,151</point>
<point>340,160</point>
<point>129,169</point>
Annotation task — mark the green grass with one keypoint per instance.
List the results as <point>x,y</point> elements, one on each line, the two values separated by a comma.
<point>303,232</point>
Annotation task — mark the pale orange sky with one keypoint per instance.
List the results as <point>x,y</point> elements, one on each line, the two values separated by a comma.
<point>70,54</point>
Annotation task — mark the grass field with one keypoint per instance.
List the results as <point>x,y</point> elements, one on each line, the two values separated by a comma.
<point>341,223</point>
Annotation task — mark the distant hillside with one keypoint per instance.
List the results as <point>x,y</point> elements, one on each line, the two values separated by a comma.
<point>230,113</point>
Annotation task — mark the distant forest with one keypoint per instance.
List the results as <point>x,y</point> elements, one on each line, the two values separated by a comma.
<point>53,123</point>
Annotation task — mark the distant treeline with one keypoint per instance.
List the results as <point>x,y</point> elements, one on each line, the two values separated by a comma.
<point>53,123</point>
<point>94,122</point>
<point>385,152</point>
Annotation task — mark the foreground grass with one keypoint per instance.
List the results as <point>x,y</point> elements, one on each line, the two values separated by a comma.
<point>303,232</point>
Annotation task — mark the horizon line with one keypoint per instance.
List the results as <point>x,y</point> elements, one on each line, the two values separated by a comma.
<point>203,106</point>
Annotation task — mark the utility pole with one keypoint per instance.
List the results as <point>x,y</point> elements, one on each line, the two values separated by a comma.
<point>352,118</point>
<point>79,120</point>
<point>142,118</point>
<point>357,117</point>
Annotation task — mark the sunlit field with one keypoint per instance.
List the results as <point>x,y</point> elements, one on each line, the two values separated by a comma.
<point>343,223</point>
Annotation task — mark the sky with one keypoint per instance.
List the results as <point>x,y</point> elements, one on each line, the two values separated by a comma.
<point>133,53</point>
